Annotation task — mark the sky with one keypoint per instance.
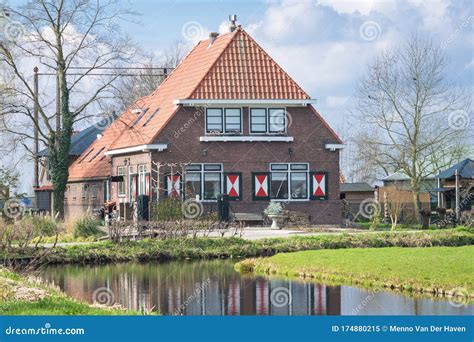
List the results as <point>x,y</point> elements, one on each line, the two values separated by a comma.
<point>323,45</point>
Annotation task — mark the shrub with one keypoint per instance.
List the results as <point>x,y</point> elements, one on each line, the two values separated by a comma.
<point>44,225</point>
<point>170,209</point>
<point>274,208</point>
<point>87,226</point>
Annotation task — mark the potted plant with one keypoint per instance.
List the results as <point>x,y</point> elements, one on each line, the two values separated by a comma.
<point>274,212</point>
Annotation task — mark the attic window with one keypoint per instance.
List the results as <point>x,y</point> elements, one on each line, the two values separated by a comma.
<point>139,117</point>
<point>97,153</point>
<point>87,154</point>
<point>150,117</point>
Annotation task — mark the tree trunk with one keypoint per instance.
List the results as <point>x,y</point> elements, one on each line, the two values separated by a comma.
<point>60,167</point>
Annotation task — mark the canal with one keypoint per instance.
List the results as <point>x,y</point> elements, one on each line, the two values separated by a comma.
<point>214,288</point>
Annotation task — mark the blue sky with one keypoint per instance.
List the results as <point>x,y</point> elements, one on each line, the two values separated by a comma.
<point>324,45</point>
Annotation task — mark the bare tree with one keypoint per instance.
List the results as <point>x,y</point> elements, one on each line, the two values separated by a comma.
<point>128,89</point>
<point>410,113</point>
<point>61,36</point>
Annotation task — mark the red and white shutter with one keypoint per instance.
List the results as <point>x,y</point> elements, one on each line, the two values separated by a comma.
<point>134,188</point>
<point>233,185</point>
<point>147,184</point>
<point>173,185</point>
<point>261,185</point>
<point>319,185</point>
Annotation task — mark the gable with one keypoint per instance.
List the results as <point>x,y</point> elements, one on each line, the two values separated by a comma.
<point>245,71</point>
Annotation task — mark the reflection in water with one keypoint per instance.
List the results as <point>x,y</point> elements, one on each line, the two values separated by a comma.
<point>214,288</point>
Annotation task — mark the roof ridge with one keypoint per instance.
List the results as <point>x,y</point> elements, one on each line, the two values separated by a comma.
<point>239,29</point>
<point>276,63</point>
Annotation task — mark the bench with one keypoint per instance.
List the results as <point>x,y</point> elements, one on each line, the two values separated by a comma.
<point>246,217</point>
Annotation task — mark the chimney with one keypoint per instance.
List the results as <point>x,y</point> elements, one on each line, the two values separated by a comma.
<point>213,37</point>
<point>232,19</point>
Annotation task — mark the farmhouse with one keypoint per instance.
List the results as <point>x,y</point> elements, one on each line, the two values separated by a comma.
<point>228,120</point>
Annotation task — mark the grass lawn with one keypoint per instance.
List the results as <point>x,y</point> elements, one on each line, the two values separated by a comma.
<point>432,269</point>
<point>22,296</point>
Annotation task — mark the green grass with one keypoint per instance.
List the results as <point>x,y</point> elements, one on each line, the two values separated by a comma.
<point>208,248</point>
<point>435,269</point>
<point>52,302</point>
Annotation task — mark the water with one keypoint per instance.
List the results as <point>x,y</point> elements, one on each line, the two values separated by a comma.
<point>214,288</point>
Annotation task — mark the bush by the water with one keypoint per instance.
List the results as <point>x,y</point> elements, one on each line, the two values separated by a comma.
<point>86,227</point>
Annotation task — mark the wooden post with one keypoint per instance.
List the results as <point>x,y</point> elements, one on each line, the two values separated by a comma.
<point>456,175</point>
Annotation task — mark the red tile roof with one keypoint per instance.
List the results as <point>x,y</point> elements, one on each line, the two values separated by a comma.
<point>245,71</point>
<point>234,66</point>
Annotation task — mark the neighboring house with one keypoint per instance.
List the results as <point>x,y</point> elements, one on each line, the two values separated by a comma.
<point>80,141</point>
<point>460,176</point>
<point>227,120</point>
<point>398,186</point>
<point>353,194</point>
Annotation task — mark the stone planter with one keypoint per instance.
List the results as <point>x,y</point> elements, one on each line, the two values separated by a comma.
<point>276,220</point>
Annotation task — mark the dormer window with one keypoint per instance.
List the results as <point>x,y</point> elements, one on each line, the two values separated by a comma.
<point>223,121</point>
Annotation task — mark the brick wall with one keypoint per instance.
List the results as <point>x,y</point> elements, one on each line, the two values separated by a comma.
<point>310,135</point>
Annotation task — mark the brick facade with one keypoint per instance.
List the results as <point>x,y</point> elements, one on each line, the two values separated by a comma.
<point>310,135</point>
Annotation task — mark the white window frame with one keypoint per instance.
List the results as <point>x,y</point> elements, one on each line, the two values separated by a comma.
<point>267,118</point>
<point>202,172</point>
<point>223,117</point>
<point>122,173</point>
<point>142,171</point>
<point>289,171</point>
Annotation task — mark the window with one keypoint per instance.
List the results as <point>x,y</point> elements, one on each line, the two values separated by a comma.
<point>233,120</point>
<point>141,179</point>
<point>267,120</point>
<point>121,185</point>
<point>289,181</point>
<point>203,180</point>
<point>214,120</point>
<point>87,154</point>
<point>73,192</point>
<point>223,120</point>
<point>84,191</point>
<point>276,120</point>
<point>258,120</point>
<point>140,116</point>
<point>150,117</point>
<point>94,191</point>
<point>97,153</point>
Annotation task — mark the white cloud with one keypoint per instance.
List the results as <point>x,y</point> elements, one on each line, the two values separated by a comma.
<point>336,101</point>
<point>470,65</point>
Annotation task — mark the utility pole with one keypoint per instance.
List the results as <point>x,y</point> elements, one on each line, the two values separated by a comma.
<point>36,123</point>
